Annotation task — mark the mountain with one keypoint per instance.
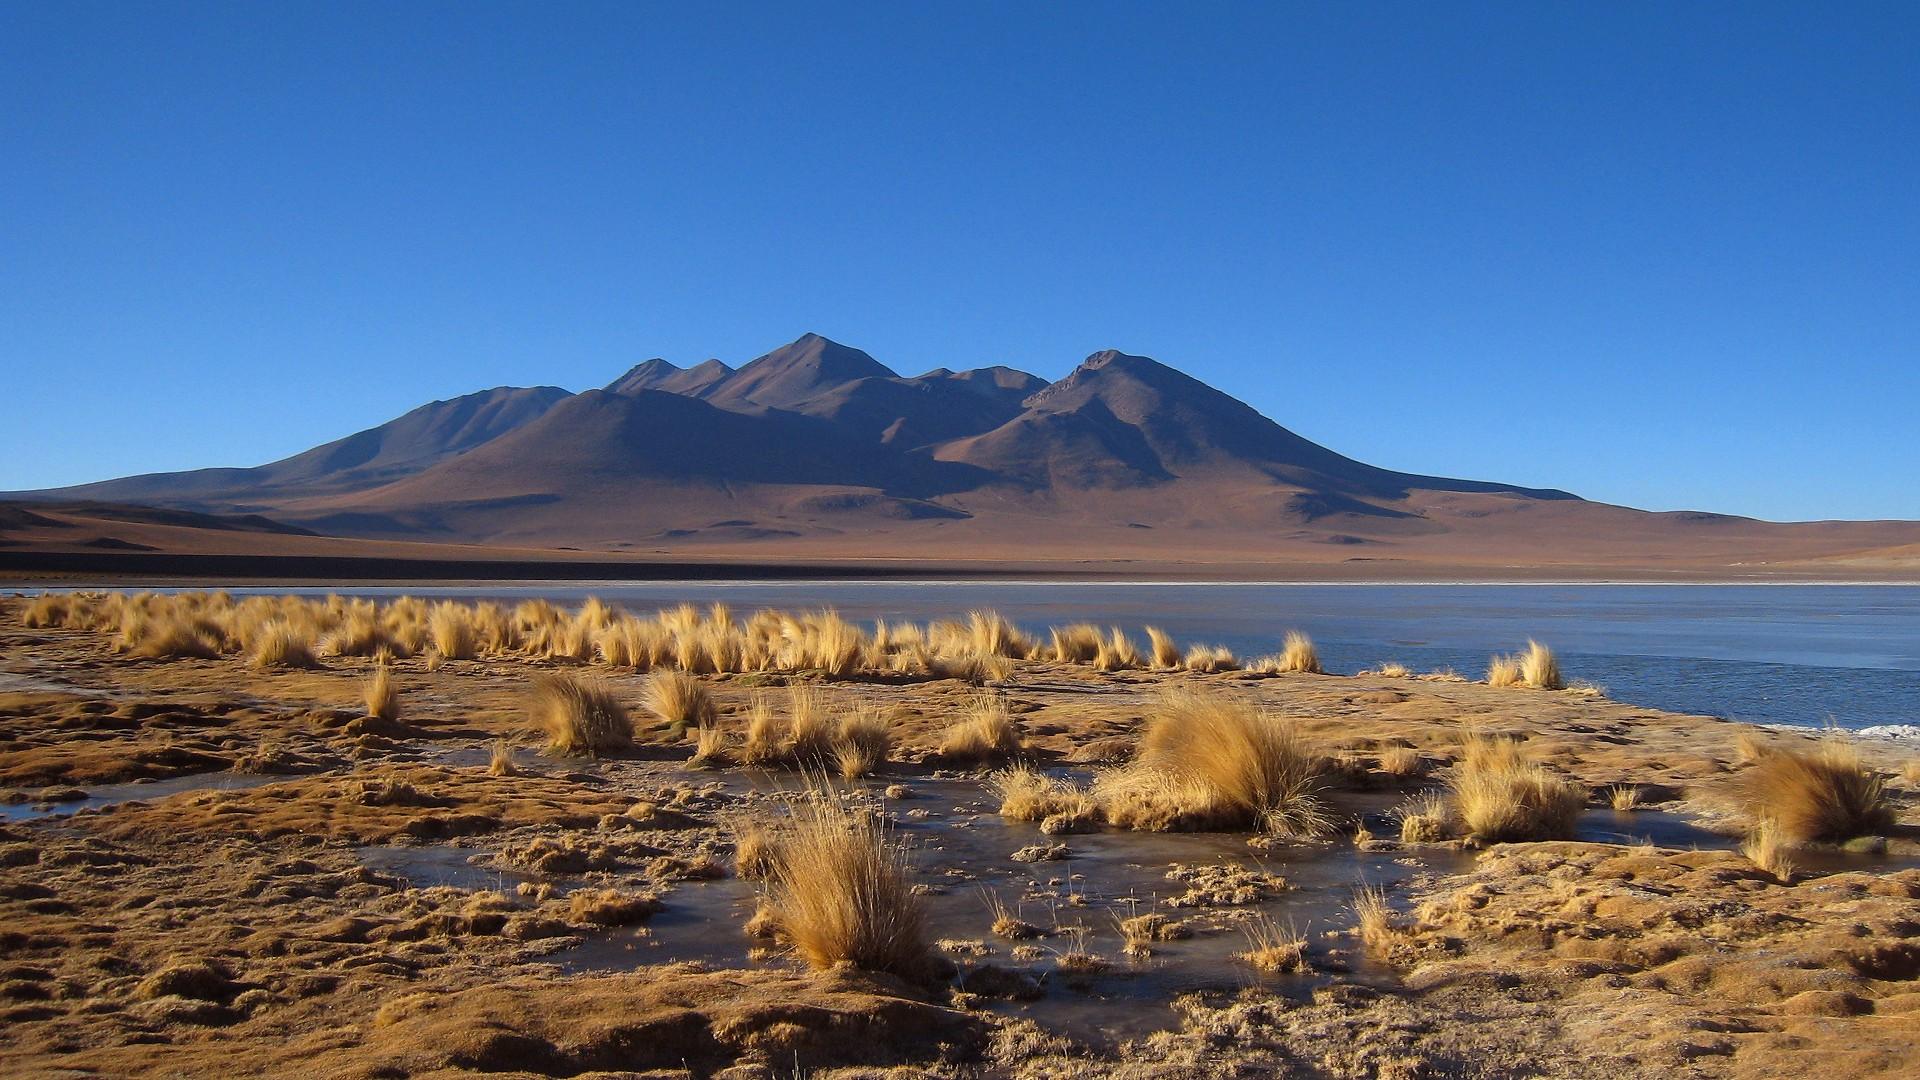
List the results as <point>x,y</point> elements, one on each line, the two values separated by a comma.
<point>400,447</point>
<point>657,374</point>
<point>818,450</point>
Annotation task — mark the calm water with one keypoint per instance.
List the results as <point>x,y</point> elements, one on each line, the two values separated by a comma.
<point>1817,654</point>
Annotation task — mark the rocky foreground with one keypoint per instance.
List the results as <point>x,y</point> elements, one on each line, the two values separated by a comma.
<point>324,891</point>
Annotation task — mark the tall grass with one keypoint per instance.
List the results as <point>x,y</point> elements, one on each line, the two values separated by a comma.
<point>1823,793</point>
<point>451,627</point>
<point>281,644</point>
<point>1298,654</point>
<point>985,732</point>
<point>839,892</point>
<point>580,716</point>
<point>679,700</point>
<point>860,743</point>
<point>382,696</point>
<point>1208,760</point>
<point>1166,653</point>
<point>1501,794</point>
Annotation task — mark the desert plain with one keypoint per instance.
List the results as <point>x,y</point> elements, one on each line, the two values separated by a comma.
<point>330,837</point>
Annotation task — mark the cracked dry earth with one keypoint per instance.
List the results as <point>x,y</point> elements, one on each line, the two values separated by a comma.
<point>213,871</point>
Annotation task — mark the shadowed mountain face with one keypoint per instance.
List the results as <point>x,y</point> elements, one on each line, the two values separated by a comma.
<point>816,439</point>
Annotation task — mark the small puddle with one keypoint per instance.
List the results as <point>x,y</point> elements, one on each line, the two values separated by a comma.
<point>430,866</point>
<point>139,790</point>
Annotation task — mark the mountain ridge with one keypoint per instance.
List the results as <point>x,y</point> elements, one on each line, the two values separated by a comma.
<point>817,447</point>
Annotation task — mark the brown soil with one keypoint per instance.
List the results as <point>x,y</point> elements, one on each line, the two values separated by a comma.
<point>237,932</point>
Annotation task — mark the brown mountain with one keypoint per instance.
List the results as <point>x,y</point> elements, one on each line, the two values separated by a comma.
<point>817,450</point>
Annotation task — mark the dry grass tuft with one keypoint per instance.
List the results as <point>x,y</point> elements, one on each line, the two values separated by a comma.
<point>1910,772</point>
<point>711,747</point>
<point>755,848</point>
<point>1208,760</point>
<point>1298,654</point>
<point>1766,847</point>
<point>1211,659</point>
<point>1540,669</point>
<point>1623,797</point>
<point>679,700</point>
<point>1393,669</point>
<point>1402,762</point>
<point>809,730</point>
<point>1029,795</point>
<point>1501,794</point>
<point>1374,919</point>
<point>861,742</point>
<point>451,627</point>
<point>382,696</point>
<point>1424,819</point>
<point>1824,793</point>
<point>1273,948</point>
<point>280,644</point>
<point>500,759</point>
<point>580,716</point>
<point>1166,653</point>
<point>986,732</point>
<point>1503,671</point>
<point>840,893</point>
<point>762,747</point>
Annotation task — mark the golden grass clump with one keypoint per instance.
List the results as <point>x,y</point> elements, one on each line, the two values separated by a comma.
<point>1401,762</point>
<point>1298,654</point>
<point>1822,793</point>
<point>1166,653</point>
<point>451,628</point>
<point>809,730</point>
<point>1373,919</point>
<point>1030,795</point>
<point>500,759</point>
<point>755,848</point>
<point>985,732</point>
<point>1501,794</point>
<point>170,637</point>
<point>1273,948</point>
<point>1540,669</point>
<point>679,700</point>
<point>1116,652</point>
<point>712,748</point>
<point>382,695</point>
<point>1503,671</point>
<point>1424,819</point>
<point>762,746</point>
<point>1077,644</point>
<point>860,743</point>
<point>280,644</point>
<point>839,892</point>
<point>580,715</point>
<point>1209,659</point>
<point>1623,797</point>
<point>1766,847</point>
<point>1208,760</point>
<point>1392,669</point>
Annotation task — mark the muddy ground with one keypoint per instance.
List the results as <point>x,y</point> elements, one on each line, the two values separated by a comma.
<point>208,870</point>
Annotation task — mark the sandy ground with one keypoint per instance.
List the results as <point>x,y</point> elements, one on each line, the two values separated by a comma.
<point>235,927</point>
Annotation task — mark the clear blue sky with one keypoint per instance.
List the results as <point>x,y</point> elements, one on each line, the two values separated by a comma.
<point>1666,255</point>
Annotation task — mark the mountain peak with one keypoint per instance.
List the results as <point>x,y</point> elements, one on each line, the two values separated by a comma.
<point>796,371</point>
<point>658,374</point>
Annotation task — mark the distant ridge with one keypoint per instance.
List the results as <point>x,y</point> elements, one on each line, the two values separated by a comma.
<point>819,449</point>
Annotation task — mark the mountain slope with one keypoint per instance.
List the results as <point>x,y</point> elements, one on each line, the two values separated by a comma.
<point>407,444</point>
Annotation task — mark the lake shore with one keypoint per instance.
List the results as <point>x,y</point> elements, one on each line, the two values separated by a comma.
<point>350,894</point>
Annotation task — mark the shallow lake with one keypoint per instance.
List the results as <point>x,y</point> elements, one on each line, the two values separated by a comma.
<point>1814,654</point>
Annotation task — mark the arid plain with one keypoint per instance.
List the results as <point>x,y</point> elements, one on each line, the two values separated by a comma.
<point>412,840</point>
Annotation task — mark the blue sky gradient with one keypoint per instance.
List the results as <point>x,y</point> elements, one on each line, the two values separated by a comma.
<point>1663,255</point>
